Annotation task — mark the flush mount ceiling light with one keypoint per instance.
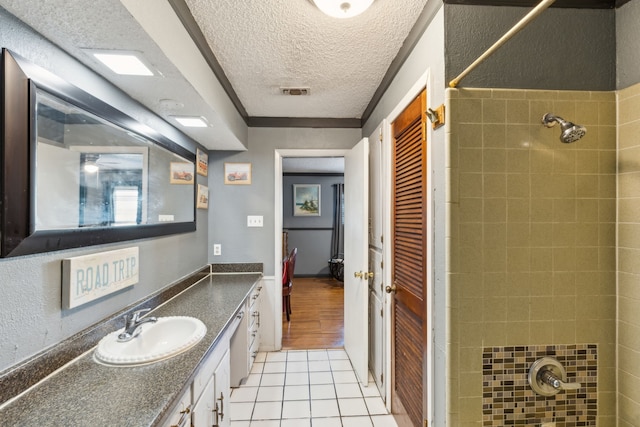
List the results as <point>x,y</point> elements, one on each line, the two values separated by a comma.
<point>191,122</point>
<point>342,8</point>
<point>125,63</point>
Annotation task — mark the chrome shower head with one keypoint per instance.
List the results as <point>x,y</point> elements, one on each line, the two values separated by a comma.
<point>570,131</point>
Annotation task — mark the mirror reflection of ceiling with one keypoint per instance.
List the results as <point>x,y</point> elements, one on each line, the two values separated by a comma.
<point>313,165</point>
<point>261,46</point>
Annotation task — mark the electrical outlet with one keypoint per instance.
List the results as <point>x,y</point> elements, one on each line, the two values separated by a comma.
<point>254,221</point>
<point>217,249</point>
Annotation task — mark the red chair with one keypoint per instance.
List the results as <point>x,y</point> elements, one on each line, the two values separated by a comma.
<point>288,267</point>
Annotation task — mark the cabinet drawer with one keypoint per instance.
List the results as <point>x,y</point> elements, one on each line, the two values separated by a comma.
<point>181,415</point>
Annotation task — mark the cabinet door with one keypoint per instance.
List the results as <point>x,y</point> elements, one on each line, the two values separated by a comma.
<point>222,416</point>
<point>202,415</point>
<point>181,415</point>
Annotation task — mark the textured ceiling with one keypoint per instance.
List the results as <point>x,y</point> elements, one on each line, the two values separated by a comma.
<point>262,45</point>
<point>265,45</point>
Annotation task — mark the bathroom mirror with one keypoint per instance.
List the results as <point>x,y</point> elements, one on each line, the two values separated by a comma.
<point>78,172</point>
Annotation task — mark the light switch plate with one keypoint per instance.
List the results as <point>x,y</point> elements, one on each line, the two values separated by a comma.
<point>254,221</point>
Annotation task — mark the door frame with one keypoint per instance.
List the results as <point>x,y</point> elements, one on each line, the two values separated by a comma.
<point>424,81</point>
<point>279,154</point>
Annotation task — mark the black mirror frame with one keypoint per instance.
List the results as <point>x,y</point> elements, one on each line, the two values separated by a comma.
<point>17,152</point>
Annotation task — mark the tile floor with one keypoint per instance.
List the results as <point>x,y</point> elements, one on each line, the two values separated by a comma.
<point>303,388</point>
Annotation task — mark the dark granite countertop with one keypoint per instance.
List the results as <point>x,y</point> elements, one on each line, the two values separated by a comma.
<point>85,393</point>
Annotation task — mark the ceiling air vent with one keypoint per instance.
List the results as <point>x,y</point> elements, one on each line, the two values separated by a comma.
<point>295,91</point>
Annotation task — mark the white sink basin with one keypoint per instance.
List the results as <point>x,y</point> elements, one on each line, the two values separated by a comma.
<point>167,337</point>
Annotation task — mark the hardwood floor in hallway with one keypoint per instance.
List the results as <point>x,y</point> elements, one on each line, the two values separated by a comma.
<point>317,318</point>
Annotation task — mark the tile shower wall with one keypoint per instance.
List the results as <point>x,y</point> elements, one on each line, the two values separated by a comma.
<point>531,234</point>
<point>628,256</point>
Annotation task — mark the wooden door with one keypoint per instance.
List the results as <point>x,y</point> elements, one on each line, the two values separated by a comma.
<point>410,200</point>
<point>356,254</point>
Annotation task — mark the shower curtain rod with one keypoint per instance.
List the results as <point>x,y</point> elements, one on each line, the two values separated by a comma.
<point>544,4</point>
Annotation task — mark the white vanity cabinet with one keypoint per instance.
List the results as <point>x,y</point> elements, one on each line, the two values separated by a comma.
<point>206,401</point>
<point>245,343</point>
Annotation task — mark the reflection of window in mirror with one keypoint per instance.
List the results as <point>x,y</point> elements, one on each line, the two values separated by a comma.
<point>126,205</point>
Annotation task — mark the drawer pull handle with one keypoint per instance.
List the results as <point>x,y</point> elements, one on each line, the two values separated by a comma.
<point>183,418</point>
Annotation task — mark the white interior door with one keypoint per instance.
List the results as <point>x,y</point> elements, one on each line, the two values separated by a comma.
<point>356,248</point>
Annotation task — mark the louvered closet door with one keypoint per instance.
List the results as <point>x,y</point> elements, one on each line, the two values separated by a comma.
<point>409,258</point>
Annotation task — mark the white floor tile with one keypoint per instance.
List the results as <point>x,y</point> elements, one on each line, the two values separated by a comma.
<point>256,368</point>
<point>274,367</point>
<point>272,379</point>
<point>261,357</point>
<point>320,378</point>
<point>324,408</point>
<point>323,391</point>
<point>244,394</point>
<point>265,423</point>
<point>253,380</point>
<point>317,355</point>
<point>277,356</point>
<point>352,407</point>
<point>297,378</point>
<point>296,409</point>
<point>296,392</point>
<point>384,421</point>
<point>341,365</point>
<point>270,394</point>
<point>375,405</point>
<point>337,354</point>
<point>348,390</point>
<point>319,366</point>
<point>241,411</point>
<point>341,377</point>
<point>297,366</point>
<point>356,422</point>
<point>240,423</point>
<point>371,390</point>
<point>297,356</point>
<point>304,422</point>
<point>267,411</point>
<point>326,422</point>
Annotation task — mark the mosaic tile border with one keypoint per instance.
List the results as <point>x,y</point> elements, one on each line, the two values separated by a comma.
<point>507,399</point>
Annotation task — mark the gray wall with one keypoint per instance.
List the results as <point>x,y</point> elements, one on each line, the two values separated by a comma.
<point>627,44</point>
<point>570,49</point>
<point>229,205</point>
<point>31,317</point>
<point>314,246</point>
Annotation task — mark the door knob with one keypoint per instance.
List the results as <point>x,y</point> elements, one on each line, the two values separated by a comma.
<point>363,274</point>
<point>390,289</point>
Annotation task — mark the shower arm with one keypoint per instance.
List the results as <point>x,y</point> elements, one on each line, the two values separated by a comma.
<point>544,4</point>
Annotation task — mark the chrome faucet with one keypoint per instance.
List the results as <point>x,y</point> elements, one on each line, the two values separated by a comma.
<point>132,323</point>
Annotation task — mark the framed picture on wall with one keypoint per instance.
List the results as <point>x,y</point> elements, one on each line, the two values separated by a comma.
<point>202,201</point>
<point>306,199</point>
<point>181,173</point>
<point>202,162</point>
<point>237,173</point>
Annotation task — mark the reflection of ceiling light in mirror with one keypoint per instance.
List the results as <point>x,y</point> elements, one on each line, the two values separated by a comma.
<point>191,122</point>
<point>126,63</point>
<point>91,167</point>
<point>343,8</point>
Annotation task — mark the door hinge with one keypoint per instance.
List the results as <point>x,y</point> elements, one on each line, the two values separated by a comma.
<point>380,136</point>
<point>381,378</point>
<point>381,315</point>
<point>382,264</point>
<point>425,424</point>
<point>381,239</point>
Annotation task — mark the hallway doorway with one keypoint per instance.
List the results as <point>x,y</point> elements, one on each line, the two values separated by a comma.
<point>317,319</point>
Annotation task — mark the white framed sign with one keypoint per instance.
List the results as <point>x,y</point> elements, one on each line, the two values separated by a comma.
<point>89,277</point>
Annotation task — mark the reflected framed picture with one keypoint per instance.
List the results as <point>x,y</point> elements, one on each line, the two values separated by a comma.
<point>237,173</point>
<point>202,162</point>
<point>181,173</point>
<point>306,199</point>
<point>202,202</point>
